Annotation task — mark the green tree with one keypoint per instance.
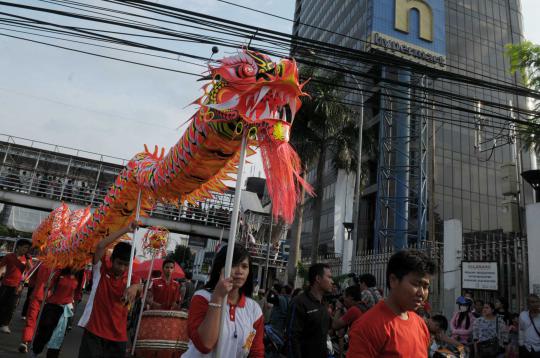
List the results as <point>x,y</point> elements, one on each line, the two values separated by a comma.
<point>525,59</point>
<point>324,129</point>
<point>183,256</point>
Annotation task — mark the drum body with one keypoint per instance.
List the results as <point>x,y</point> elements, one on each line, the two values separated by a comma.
<point>162,334</point>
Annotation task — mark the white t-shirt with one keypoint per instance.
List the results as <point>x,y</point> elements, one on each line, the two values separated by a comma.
<point>527,335</point>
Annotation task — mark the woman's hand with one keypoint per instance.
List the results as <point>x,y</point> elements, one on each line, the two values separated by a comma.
<point>223,287</point>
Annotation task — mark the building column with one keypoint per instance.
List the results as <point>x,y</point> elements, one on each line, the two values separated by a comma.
<point>532,213</point>
<point>402,164</point>
<point>259,275</point>
<point>453,248</point>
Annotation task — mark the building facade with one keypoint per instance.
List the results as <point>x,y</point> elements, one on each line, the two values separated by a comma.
<point>471,163</point>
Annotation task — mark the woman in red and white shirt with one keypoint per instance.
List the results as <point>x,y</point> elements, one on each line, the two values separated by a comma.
<point>243,331</point>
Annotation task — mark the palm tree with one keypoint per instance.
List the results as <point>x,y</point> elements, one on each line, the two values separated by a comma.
<point>525,58</point>
<point>322,130</point>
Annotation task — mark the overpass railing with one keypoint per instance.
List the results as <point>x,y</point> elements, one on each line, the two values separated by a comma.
<point>213,212</point>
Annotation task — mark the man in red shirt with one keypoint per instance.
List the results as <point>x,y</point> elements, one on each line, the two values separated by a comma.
<point>42,276</point>
<point>105,315</point>
<point>352,300</point>
<point>391,328</point>
<point>16,263</point>
<point>165,292</point>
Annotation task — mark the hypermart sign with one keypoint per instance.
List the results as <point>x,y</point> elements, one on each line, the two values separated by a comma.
<point>479,275</point>
<point>411,29</point>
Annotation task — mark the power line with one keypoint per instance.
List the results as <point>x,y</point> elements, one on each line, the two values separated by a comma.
<point>369,43</point>
<point>102,56</point>
<point>138,5</point>
<point>295,41</point>
<point>107,47</point>
<point>155,48</point>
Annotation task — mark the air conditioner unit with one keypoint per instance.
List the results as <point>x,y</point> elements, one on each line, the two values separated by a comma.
<point>509,216</point>
<point>509,179</point>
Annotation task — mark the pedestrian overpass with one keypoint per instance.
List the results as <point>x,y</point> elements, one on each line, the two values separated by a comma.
<point>40,176</point>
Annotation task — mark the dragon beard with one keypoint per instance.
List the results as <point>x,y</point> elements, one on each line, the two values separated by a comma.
<point>284,181</point>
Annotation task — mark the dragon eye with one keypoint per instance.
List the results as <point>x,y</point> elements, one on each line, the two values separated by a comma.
<point>246,70</point>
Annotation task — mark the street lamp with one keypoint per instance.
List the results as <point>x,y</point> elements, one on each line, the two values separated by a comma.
<point>533,177</point>
<point>349,228</point>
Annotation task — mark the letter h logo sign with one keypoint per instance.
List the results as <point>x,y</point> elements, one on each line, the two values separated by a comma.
<point>403,13</point>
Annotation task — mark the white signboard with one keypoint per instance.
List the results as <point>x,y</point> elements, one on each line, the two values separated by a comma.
<point>479,275</point>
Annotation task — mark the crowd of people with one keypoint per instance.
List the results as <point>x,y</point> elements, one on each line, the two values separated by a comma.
<point>80,191</point>
<point>320,320</point>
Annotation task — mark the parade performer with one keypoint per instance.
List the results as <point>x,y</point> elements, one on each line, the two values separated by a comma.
<point>105,316</point>
<point>247,95</point>
<point>165,292</point>
<point>244,330</point>
<point>15,263</point>
<point>42,276</point>
<point>58,306</point>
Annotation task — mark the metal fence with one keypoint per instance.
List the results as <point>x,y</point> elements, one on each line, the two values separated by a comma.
<point>331,259</point>
<point>508,250</point>
<point>510,253</point>
<point>375,263</point>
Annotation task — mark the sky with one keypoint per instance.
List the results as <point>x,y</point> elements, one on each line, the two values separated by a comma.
<point>113,108</point>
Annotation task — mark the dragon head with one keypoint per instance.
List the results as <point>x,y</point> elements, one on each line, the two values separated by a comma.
<point>252,88</point>
<point>251,91</point>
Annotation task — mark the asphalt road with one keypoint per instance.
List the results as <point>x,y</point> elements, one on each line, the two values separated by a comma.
<point>9,343</point>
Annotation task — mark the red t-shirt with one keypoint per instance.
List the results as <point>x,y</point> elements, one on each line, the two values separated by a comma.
<point>381,333</point>
<point>62,289</point>
<point>78,293</point>
<point>166,294</point>
<point>32,279</point>
<point>41,281</point>
<point>15,267</point>
<point>351,315</point>
<point>105,315</point>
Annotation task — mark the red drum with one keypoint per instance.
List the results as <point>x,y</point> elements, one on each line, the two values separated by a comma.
<point>162,334</point>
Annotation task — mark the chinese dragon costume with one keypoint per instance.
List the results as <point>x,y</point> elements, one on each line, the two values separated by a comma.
<point>247,94</point>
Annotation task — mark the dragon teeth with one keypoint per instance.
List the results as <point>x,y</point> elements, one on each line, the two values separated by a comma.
<point>292,105</point>
<point>253,116</point>
<point>266,113</point>
<point>264,90</point>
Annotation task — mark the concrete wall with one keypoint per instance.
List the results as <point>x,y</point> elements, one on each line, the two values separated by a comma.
<point>343,211</point>
<point>453,246</point>
<point>533,243</point>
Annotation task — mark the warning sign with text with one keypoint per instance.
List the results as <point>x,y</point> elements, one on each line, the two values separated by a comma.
<point>477,275</point>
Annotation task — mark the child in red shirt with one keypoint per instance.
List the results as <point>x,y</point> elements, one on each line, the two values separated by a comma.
<point>392,328</point>
<point>16,263</point>
<point>60,293</point>
<point>105,315</point>
<point>165,292</point>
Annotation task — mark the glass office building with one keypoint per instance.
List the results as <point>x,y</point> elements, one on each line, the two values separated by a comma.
<point>468,151</point>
